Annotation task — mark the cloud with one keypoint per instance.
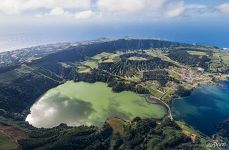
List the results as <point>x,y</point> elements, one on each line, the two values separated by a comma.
<point>223,8</point>
<point>147,8</point>
<point>108,9</point>
<point>179,8</point>
<point>84,14</point>
<point>175,9</point>
<point>19,6</point>
<point>10,6</point>
<point>128,6</point>
<point>58,11</point>
<point>196,6</point>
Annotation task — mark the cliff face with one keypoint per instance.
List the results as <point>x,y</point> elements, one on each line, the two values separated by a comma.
<point>80,52</point>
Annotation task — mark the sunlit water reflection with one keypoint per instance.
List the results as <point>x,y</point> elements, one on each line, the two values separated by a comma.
<point>89,104</point>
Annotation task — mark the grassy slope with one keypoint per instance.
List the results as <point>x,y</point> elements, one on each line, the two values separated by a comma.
<point>6,143</point>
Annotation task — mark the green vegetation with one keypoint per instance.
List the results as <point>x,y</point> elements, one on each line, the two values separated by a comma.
<point>219,62</point>
<point>194,135</point>
<point>90,63</point>
<point>137,134</point>
<point>184,57</point>
<point>132,67</point>
<point>6,143</point>
<point>83,69</point>
<point>197,53</point>
<point>161,69</point>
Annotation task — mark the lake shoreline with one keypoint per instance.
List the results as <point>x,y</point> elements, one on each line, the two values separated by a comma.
<point>82,103</point>
<point>214,109</point>
<point>155,100</point>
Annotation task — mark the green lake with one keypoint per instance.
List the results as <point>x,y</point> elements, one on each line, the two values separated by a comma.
<point>81,103</point>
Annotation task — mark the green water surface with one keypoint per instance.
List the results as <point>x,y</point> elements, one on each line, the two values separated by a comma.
<point>84,103</point>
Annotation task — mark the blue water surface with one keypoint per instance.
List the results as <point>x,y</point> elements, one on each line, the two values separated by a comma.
<point>205,108</point>
<point>19,36</point>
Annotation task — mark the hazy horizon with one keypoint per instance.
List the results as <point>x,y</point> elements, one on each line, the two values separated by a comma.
<point>26,23</point>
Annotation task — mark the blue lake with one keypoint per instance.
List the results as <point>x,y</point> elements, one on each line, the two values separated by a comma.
<point>205,107</point>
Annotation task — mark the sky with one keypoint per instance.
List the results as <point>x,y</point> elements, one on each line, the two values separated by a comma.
<point>113,9</point>
<point>43,18</point>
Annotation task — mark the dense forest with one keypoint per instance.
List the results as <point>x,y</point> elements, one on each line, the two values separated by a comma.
<point>139,134</point>
<point>162,76</point>
<point>126,67</point>
<point>184,57</point>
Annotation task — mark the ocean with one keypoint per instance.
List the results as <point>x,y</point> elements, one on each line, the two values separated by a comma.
<point>21,36</point>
